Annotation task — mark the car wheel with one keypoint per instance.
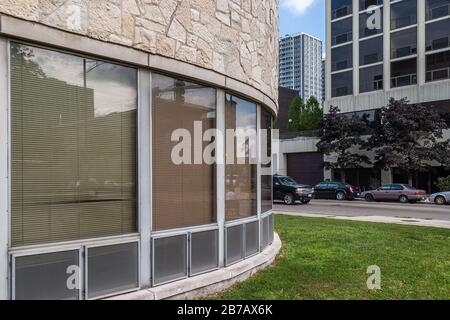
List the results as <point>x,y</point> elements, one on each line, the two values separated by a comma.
<point>304,201</point>
<point>369,198</point>
<point>288,199</point>
<point>340,196</point>
<point>440,201</point>
<point>403,199</point>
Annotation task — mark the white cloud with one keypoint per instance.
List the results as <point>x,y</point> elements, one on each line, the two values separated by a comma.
<point>298,6</point>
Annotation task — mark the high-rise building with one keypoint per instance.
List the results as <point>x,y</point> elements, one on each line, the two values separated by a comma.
<point>381,49</point>
<point>324,69</point>
<point>301,64</point>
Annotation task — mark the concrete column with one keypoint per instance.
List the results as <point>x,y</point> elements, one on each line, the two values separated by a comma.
<point>421,57</point>
<point>387,45</point>
<point>145,174</point>
<point>327,175</point>
<point>355,48</point>
<point>328,54</point>
<point>4,183</point>
<point>220,167</point>
<point>386,176</point>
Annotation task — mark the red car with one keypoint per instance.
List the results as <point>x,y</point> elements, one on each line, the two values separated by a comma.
<point>395,192</point>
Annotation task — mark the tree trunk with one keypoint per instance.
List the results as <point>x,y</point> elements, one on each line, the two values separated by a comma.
<point>343,175</point>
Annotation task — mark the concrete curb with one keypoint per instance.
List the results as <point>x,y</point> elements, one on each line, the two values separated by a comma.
<point>378,219</point>
<point>211,282</point>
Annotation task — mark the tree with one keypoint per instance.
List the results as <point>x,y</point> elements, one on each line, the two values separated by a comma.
<point>443,184</point>
<point>408,136</point>
<point>343,136</point>
<point>304,117</point>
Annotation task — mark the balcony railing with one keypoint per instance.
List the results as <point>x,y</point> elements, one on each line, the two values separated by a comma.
<point>403,22</point>
<point>372,58</point>
<point>438,12</point>
<point>403,52</point>
<point>368,86</point>
<point>438,74</point>
<point>341,12</point>
<point>342,38</point>
<point>406,80</point>
<point>440,43</point>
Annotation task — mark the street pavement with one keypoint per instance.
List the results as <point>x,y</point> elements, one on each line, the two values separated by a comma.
<point>360,210</point>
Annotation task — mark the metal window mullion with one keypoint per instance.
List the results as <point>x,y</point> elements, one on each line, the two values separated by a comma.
<point>4,170</point>
<point>144,175</point>
<point>220,175</point>
<point>258,170</point>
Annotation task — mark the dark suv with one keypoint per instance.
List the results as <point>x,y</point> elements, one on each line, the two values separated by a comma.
<point>289,191</point>
<point>336,190</point>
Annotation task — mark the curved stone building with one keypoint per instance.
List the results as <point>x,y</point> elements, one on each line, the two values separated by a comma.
<point>132,145</point>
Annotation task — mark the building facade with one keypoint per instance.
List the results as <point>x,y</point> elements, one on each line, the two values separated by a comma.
<point>381,49</point>
<point>300,66</point>
<point>95,198</point>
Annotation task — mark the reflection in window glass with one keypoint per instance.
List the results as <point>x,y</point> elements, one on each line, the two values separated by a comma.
<point>342,84</point>
<point>183,191</point>
<point>403,14</point>
<point>437,35</point>
<point>266,167</point>
<point>240,168</point>
<point>371,79</point>
<point>73,147</point>
<point>370,51</point>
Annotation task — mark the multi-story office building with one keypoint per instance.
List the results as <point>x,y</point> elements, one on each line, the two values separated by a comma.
<point>381,49</point>
<point>301,64</point>
<point>324,70</point>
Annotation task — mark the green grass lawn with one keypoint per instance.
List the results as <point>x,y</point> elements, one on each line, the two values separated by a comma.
<point>328,259</point>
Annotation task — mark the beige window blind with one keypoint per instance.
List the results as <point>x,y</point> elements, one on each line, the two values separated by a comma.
<point>183,194</point>
<point>73,148</point>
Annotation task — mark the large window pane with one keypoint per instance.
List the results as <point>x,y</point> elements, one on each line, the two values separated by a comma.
<point>340,8</point>
<point>404,73</point>
<point>438,35</point>
<point>364,31</point>
<point>266,161</point>
<point>438,66</point>
<point>403,14</point>
<point>365,4</point>
<point>240,168</point>
<point>73,147</point>
<point>371,79</point>
<point>183,183</point>
<point>437,8</point>
<point>371,51</point>
<point>342,58</point>
<point>404,43</point>
<point>342,84</point>
<point>341,31</point>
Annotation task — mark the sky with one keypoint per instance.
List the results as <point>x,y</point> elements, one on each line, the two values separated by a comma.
<point>303,16</point>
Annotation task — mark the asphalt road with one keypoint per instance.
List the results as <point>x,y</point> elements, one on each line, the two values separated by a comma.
<point>360,208</point>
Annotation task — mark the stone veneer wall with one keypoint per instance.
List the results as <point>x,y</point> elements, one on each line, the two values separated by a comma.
<point>238,38</point>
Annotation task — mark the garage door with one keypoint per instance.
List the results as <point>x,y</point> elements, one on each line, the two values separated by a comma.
<point>305,168</point>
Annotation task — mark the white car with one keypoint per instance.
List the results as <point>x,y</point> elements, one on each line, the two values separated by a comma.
<point>440,198</point>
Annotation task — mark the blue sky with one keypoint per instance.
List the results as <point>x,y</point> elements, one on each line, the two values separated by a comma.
<point>303,16</point>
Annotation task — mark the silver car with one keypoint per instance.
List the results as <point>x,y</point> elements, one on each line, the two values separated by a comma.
<point>440,198</point>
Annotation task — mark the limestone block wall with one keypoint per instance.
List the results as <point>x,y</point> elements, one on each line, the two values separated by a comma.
<point>238,38</point>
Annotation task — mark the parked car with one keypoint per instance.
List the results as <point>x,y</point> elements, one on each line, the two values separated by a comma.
<point>289,191</point>
<point>440,198</point>
<point>395,192</point>
<point>336,190</point>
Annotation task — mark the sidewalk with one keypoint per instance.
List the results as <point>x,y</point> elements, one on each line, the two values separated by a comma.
<point>380,219</point>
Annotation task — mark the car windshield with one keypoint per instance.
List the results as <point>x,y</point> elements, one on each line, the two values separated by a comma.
<point>288,181</point>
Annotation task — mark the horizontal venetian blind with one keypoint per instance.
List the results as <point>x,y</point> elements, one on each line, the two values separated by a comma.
<point>73,158</point>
